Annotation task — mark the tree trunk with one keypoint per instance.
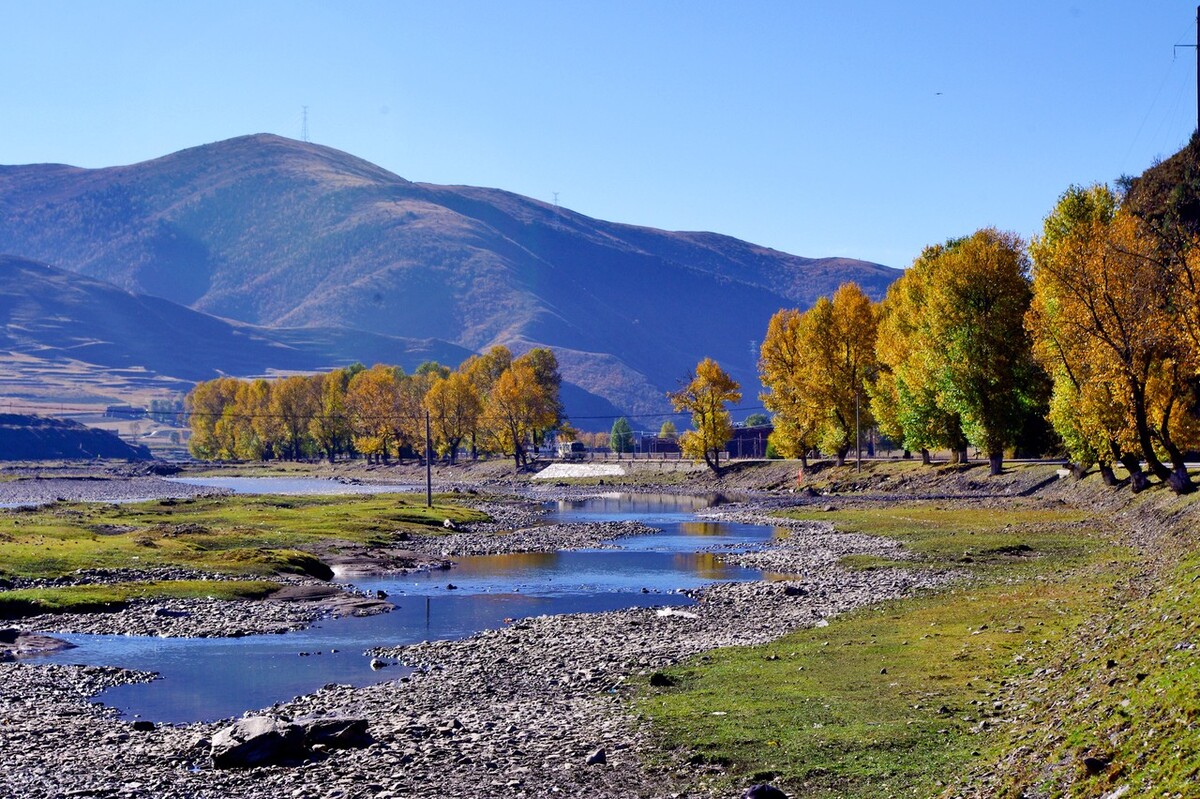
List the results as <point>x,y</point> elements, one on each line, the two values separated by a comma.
<point>925,459</point>
<point>841,457</point>
<point>961,455</point>
<point>907,456</point>
<point>1106,472</point>
<point>1179,481</point>
<point>996,461</point>
<point>1145,439</point>
<point>1079,470</point>
<point>804,459</point>
<point>1139,482</point>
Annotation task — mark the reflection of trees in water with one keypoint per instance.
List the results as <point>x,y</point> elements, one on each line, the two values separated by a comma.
<point>506,564</point>
<point>707,565</point>
<point>636,503</point>
<point>703,528</point>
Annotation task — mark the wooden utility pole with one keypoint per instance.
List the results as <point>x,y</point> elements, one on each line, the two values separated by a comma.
<point>428,464</point>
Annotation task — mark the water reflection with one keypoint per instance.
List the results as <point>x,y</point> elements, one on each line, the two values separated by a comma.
<point>617,507</point>
<point>206,679</point>
<point>703,528</point>
<point>705,565</point>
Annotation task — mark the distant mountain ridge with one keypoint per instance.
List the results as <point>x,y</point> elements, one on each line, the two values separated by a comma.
<point>52,320</point>
<point>279,233</point>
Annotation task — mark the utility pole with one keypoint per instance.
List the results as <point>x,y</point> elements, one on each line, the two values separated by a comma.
<point>428,464</point>
<point>857,435</point>
<point>304,123</point>
<point>1197,48</point>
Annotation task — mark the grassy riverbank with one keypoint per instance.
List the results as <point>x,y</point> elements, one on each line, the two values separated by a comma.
<point>903,699</point>
<point>233,536</point>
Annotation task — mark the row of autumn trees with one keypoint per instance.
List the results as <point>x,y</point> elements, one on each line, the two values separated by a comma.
<point>943,362</point>
<point>491,403</point>
<point>1095,327</point>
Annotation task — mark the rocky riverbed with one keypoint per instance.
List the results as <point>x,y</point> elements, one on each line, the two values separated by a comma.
<point>34,489</point>
<point>518,711</point>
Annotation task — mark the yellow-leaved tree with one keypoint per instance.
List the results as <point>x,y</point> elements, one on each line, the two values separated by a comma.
<point>454,407</point>
<point>516,406</point>
<point>816,366</point>
<point>705,397</point>
<point>1110,329</point>
<point>372,400</point>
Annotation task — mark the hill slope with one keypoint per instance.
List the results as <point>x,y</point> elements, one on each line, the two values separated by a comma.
<point>275,232</point>
<point>30,438</point>
<point>60,327</point>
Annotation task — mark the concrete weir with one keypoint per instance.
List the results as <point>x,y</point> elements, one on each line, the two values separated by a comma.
<point>559,471</point>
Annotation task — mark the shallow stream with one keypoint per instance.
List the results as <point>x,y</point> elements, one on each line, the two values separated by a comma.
<point>205,679</point>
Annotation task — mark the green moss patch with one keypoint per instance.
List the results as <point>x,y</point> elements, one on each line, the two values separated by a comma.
<point>258,535</point>
<point>109,597</point>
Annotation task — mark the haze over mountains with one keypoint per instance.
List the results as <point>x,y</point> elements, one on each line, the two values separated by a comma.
<point>314,257</point>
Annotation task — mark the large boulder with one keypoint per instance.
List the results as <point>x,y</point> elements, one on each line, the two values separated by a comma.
<point>334,732</point>
<point>17,644</point>
<point>257,741</point>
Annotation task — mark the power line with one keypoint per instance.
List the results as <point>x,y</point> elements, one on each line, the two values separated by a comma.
<point>241,416</point>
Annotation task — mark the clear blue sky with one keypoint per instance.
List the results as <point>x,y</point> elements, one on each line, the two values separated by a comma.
<point>865,129</point>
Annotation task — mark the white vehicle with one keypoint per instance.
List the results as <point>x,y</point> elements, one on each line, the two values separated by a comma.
<point>571,450</point>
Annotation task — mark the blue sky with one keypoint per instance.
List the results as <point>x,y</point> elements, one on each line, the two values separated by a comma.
<point>864,129</point>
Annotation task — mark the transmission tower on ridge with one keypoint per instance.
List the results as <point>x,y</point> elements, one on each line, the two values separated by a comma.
<point>304,123</point>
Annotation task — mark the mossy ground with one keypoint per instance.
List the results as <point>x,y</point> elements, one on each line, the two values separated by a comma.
<point>238,536</point>
<point>113,596</point>
<point>898,699</point>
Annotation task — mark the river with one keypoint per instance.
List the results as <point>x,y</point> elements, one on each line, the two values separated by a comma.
<point>203,679</point>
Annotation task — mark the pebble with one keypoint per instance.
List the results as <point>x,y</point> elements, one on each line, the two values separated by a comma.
<point>518,711</point>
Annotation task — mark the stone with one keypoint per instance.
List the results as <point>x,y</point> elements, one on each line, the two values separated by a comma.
<point>763,791</point>
<point>598,758</point>
<point>1095,764</point>
<point>660,680</point>
<point>141,725</point>
<point>377,664</point>
<point>256,741</point>
<point>335,732</point>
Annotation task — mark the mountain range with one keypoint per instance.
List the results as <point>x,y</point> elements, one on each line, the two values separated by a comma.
<point>263,252</point>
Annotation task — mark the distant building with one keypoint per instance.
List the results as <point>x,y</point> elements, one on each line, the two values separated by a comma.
<point>657,445</point>
<point>124,412</point>
<point>749,442</point>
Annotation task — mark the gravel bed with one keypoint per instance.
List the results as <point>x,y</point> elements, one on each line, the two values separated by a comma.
<point>511,712</point>
<point>541,538</point>
<point>44,490</point>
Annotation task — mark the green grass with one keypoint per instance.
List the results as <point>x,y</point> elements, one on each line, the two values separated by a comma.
<point>1126,688</point>
<point>1017,539</point>
<point>81,598</point>
<point>894,700</point>
<point>227,535</point>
